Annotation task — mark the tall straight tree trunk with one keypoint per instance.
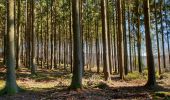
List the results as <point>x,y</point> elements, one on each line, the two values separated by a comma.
<point>22,43</point>
<point>70,30</point>
<point>55,38</point>
<point>81,30</point>
<point>47,36</point>
<point>109,38</point>
<point>11,85</point>
<point>77,54</point>
<point>162,33</point>
<point>125,39</point>
<point>33,66</point>
<point>5,37</point>
<point>138,38</point>
<point>42,43</point>
<point>59,59</point>
<point>130,58</point>
<point>52,36</point>
<point>45,48</point>
<point>119,8</point>
<point>18,37</point>
<point>38,42</point>
<point>26,15</point>
<point>117,43</point>
<point>87,44</point>
<point>64,47</point>
<point>157,37</point>
<point>167,33</point>
<point>134,48</point>
<point>115,50</point>
<point>27,34</point>
<point>114,40</point>
<point>105,40</point>
<point>97,47</point>
<point>150,62</point>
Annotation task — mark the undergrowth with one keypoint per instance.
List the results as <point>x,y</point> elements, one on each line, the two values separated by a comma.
<point>136,75</point>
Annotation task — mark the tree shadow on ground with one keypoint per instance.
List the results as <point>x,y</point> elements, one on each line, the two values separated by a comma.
<point>43,75</point>
<point>62,93</point>
<point>135,91</point>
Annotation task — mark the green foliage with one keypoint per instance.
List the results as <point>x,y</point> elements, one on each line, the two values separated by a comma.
<point>157,75</point>
<point>137,75</point>
<point>145,74</point>
<point>134,75</point>
<point>2,6</point>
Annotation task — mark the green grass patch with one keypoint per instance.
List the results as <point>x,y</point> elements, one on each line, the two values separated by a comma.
<point>134,75</point>
<point>145,74</point>
<point>137,75</point>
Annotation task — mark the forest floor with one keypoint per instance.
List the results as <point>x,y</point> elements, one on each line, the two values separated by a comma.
<point>52,85</point>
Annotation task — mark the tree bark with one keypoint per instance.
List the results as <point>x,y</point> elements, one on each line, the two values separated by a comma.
<point>125,39</point>
<point>162,33</point>
<point>105,40</point>
<point>77,54</point>
<point>150,62</point>
<point>130,57</point>
<point>18,63</point>
<point>11,85</point>
<point>138,38</point>
<point>119,8</point>
<point>33,66</point>
<point>157,38</point>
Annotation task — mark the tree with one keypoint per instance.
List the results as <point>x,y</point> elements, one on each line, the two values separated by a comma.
<point>33,66</point>
<point>150,62</point>
<point>138,36</point>
<point>70,33</point>
<point>157,38</point>
<point>97,47</point>
<point>11,86</point>
<point>109,37</point>
<point>77,53</point>
<point>129,26</point>
<point>125,39</point>
<point>120,31</point>
<point>105,40</point>
<point>162,33</point>
<point>18,62</point>
<point>166,22</point>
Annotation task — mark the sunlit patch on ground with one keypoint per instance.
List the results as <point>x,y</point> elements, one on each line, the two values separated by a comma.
<point>2,84</point>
